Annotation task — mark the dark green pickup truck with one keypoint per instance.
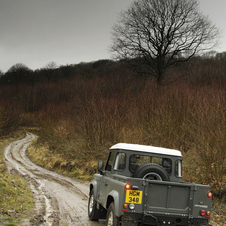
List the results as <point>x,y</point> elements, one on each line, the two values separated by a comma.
<point>142,185</point>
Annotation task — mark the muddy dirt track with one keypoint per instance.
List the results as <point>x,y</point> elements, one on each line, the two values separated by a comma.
<point>58,200</point>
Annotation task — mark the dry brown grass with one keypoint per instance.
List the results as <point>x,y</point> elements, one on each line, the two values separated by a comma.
<point>74,167</point>
<point>179,117</point>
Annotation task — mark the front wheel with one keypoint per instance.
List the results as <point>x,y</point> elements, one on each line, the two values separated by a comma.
<point>93,212</point>
<point>112,219</point>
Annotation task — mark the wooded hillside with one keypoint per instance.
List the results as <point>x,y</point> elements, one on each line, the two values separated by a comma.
<point>81,110</point>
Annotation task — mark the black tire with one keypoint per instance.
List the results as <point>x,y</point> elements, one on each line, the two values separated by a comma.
<point>112,219</point>
<point>93,212</point>
<point>152,171</point>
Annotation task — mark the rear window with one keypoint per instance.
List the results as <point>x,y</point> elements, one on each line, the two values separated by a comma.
<point>138,160</point>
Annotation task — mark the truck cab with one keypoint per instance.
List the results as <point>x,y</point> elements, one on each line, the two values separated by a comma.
<point>125,159</point>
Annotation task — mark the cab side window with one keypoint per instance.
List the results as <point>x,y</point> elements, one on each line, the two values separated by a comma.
<point>120,161</point>
<point>178,168</point>
<point>110,161</point>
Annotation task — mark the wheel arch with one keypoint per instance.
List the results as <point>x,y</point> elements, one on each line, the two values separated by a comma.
<point>114,197</point>
<point>93,186</point>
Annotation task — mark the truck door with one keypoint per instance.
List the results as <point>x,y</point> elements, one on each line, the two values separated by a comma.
<point>104,183</point>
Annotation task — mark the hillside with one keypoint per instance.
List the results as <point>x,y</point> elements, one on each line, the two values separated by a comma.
<point>79,111</point>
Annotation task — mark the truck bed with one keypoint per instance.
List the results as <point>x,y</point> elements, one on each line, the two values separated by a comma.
<point>170,198</point>
<point>182,199</point>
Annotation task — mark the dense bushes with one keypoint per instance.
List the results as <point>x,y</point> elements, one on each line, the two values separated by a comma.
<point>9,118</point>
<point>81,114</point>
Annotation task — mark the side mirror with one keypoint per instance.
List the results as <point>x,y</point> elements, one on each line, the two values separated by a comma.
<point>100,166</point>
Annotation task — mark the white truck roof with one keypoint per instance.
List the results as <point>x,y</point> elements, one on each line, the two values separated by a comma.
<point>147,148</point>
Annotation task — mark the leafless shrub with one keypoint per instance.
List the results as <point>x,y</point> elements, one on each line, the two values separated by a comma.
<point>9,118</point>
<point>208,132</point>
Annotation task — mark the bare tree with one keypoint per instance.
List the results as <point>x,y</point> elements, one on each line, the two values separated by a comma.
<point>51,65</point>
<point>50,70</point>
<point>18,73</point>
<point>160,33</point>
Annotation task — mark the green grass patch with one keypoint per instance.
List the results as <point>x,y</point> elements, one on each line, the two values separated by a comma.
<point>14,193</point>
<point>15,196</point>
<point>12,224</point>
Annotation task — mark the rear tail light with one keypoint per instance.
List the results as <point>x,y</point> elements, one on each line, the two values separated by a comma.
<point>127,186</point>
<point>208,213</point>
<point>209,194</point>
<point>202,212</point>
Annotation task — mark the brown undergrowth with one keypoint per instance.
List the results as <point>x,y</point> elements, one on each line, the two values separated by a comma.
<point>80,116</point>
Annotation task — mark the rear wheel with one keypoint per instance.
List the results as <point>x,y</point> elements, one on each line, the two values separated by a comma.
<point>93,212</point>
<point>112,219</point>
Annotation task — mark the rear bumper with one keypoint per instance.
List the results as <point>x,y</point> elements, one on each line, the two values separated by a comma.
<point>134,219</point>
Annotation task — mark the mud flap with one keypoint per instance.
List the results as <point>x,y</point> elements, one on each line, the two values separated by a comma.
<point>102,211</point>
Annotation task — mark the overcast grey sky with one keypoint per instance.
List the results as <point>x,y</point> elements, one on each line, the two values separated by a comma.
<point>36,32</point>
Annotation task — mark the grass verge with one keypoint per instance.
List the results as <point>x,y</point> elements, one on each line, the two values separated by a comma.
<point>16,199</point>
<point>69,164</point>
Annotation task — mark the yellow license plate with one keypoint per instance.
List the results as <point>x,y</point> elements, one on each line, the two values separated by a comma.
<point>133,196</point>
